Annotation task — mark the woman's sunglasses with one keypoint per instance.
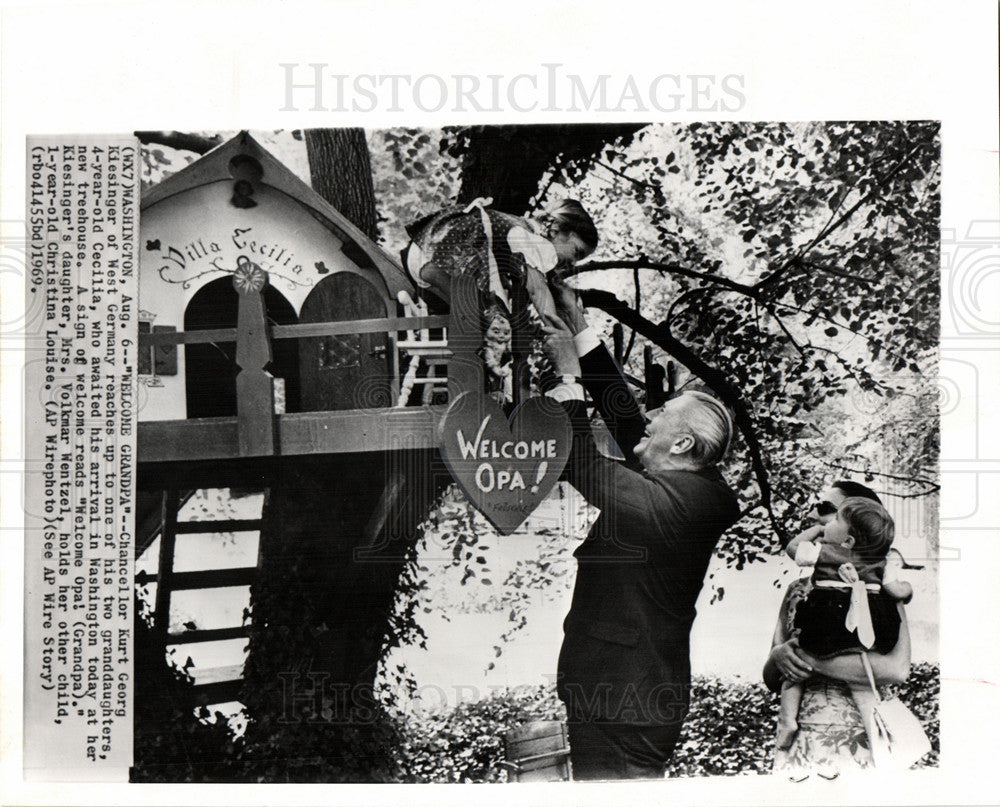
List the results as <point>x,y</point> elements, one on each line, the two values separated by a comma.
<point>825,508</point>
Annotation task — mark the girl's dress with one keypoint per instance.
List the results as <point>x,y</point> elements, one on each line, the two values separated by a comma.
<point>820,617</point>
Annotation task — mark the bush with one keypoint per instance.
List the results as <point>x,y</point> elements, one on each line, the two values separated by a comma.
<point>920,693</point>
<point>465,744</point>
<point>729,730</point>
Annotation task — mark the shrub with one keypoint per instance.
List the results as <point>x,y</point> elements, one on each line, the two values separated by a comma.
<point>465,744</point>
<point>729,730</point>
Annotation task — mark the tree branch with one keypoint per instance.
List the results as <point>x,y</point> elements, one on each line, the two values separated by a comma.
<point>665,268</point>
<point>768,280</point>
<point>788,333</point>
<point>623,175</point>
<point>870,339</point>
<point>631,338</point>
<point>184,141</point>
<point>835,272</point>
<point>932,487</point>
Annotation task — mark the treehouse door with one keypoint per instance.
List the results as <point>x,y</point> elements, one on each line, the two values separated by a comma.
<point>351,371</point>
<point>210,369</point>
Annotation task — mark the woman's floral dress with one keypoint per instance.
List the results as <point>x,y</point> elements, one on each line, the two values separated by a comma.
<point>831,737</point>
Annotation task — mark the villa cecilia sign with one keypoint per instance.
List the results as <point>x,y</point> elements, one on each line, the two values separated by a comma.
<point>505,468</point>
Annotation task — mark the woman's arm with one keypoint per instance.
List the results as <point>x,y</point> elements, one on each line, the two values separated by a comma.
<point>889,668</point>
<point>784,662</point>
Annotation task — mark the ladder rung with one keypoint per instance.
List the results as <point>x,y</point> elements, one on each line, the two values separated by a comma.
<point>203,676</point>
<point>221,525</point>
<point>213,578</point>
<point>212,635</point>
<point>217,692</point>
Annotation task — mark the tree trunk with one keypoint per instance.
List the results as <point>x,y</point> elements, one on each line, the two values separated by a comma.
<point>341,172</point>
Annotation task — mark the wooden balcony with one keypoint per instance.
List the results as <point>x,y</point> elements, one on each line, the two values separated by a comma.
<point>256,431</point>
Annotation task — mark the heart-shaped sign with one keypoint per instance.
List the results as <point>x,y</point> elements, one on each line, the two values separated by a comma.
<point>505,469</point>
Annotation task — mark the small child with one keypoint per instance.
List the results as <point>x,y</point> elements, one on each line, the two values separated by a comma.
<point>851,605</point>
<point>508,257</point>
<point>498,250</point>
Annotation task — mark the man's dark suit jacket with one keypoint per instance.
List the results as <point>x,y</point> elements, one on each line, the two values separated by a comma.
<point>625,655</point>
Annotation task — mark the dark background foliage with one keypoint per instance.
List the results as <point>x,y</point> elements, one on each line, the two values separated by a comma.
<point>729,730</point>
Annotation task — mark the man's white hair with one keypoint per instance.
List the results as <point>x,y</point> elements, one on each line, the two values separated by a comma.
<point>710,425</point>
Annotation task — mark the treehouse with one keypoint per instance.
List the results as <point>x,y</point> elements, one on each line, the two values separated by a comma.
<point>270,328</point>
<point>272,331</point>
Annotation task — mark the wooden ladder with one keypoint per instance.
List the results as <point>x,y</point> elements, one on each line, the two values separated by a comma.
<point>215,685</point>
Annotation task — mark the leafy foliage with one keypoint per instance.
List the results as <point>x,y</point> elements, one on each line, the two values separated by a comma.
<point>797,262</point>
<point>465,744</point>
<point>729,730</point>
<point>412,178</point>
<point>802,260</point>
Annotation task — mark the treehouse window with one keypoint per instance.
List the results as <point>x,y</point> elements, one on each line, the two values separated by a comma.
<point>338,352</point>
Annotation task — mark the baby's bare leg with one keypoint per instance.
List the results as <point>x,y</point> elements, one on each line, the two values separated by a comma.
<point>788,714</point>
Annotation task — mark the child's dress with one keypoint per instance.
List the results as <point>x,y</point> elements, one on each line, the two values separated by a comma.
<point>497,251</point>
<point>495,248</point>
<point>824,620</point>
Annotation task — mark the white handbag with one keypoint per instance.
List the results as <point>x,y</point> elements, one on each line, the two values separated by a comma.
<point>898,739</point>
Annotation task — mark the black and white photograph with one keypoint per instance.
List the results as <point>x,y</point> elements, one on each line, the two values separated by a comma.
<point>501,453</point>
<point>563,404</point>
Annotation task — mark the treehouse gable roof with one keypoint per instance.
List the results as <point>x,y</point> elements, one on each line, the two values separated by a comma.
<point>216,166</point>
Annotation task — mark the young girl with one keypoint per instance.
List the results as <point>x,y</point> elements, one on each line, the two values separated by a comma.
<point>499,250</point>
<point>509,259</point>
<point>851,605</point>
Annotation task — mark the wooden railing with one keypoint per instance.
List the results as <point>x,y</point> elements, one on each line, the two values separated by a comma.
<point>256,430</point>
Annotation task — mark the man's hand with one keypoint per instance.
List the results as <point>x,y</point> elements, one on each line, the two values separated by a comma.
<point>789,661</point>
<point>568,305</point>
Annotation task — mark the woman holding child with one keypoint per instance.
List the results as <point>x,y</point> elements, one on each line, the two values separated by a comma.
<point>825,695</point>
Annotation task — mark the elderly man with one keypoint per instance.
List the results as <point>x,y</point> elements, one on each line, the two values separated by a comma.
<point>624,667</point>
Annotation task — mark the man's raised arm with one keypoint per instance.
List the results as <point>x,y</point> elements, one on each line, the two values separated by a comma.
<point>601,377</point>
